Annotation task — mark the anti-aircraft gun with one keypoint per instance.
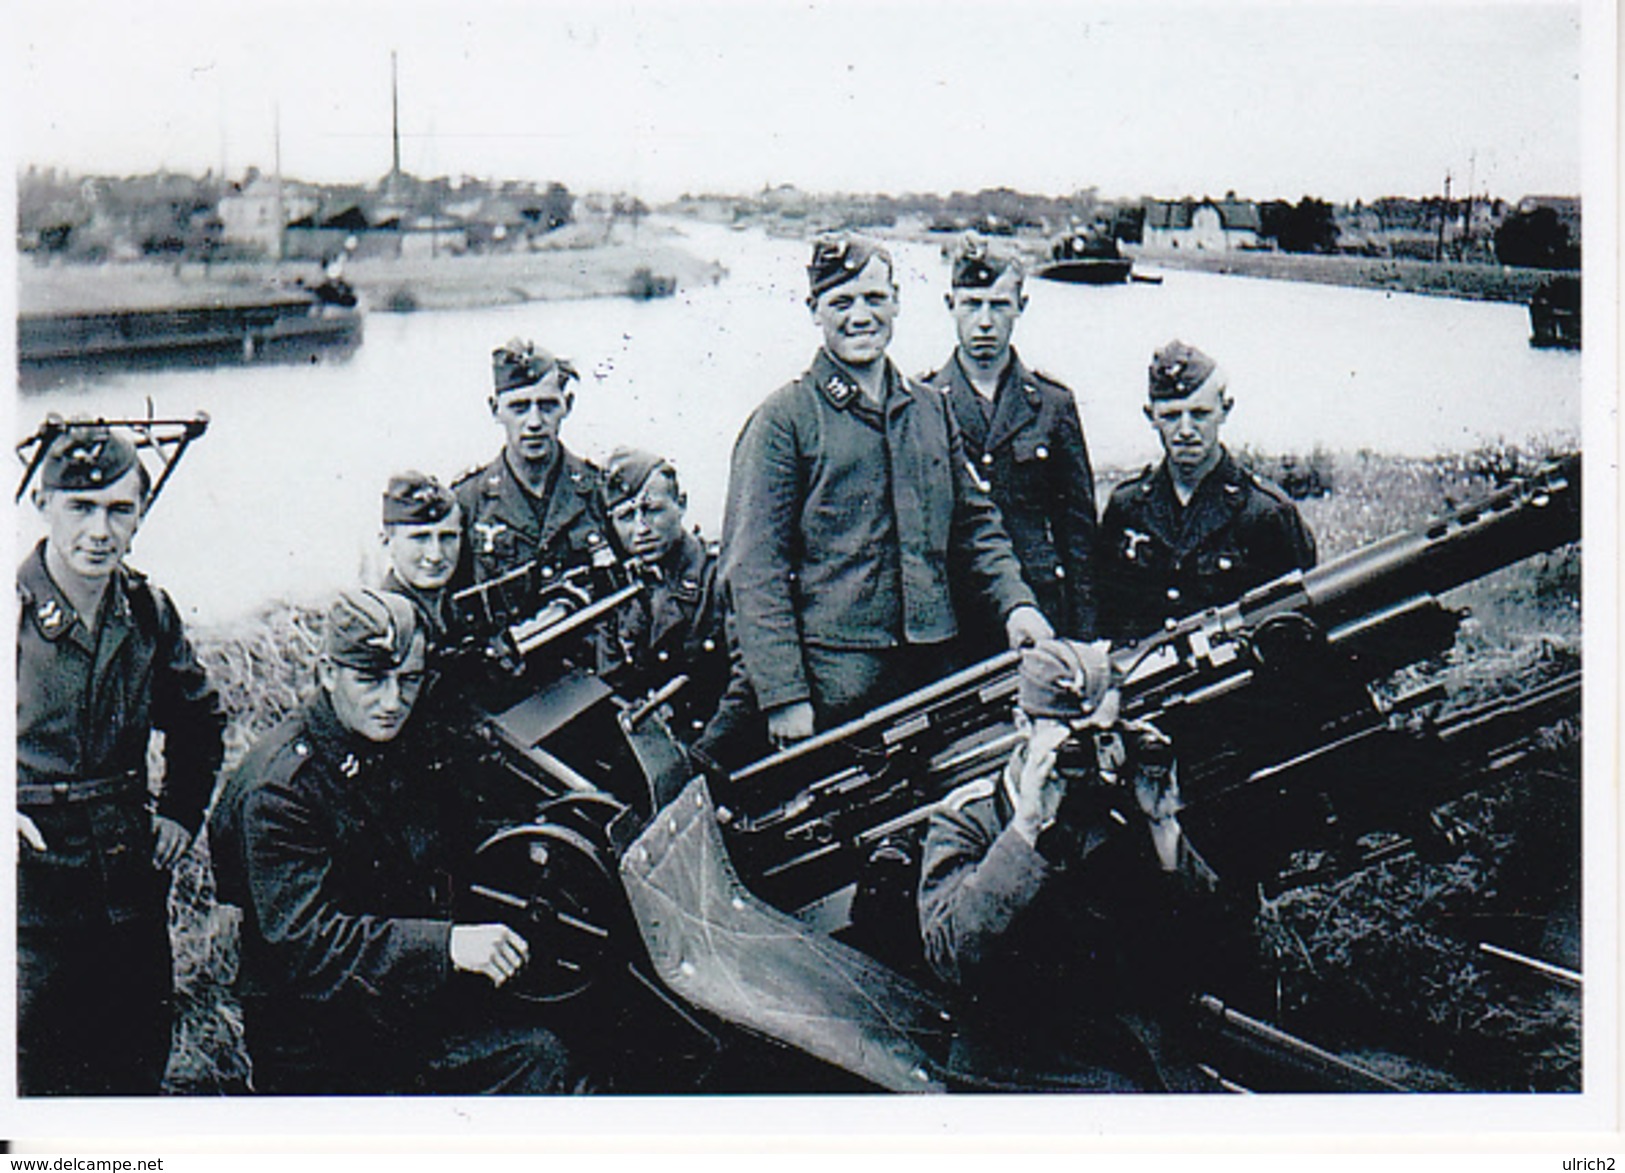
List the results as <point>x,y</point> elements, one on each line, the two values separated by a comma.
<point>1268,700</point>
<point>737,905</point>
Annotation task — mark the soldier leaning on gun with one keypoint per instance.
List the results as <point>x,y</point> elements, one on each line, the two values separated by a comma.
<point>1062,900</point>
<point>1023,437</point>
<point>675,625</point>
<point>537,500</point>
<point>102,660</point>
<point>1197,529</point>
<point>851,509</point>
<point>340,849</point>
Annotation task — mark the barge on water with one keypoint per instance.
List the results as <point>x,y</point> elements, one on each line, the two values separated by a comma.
<point>1087,258</point>
<point>218,328</point>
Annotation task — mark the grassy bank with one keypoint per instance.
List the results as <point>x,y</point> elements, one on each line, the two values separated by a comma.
<point>1476,282</point>
<point>1382,964</point>
<point>565,265</point>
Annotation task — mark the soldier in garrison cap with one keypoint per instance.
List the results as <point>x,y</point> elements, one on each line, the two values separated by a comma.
<point>423,539</point>
<point>102,661</point>
<point>675,625</point>
<point>849,500</point>
<point>355,977</point>
<point>1196,530</point>
<point>537,500</point>
<point>1025,441</point>
<point>1061,900</point>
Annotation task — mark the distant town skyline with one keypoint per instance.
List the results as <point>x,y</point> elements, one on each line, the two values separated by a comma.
<point>1339,101</point>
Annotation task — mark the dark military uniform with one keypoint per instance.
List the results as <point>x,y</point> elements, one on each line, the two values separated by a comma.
<point>505,526</point>
<point>674,626</point>
<point>1159,560</point>
<point>93,954</point>
<point>845,527</point>
<point>1030,450</point>
<point>339,854</point>
<point>1071,965</point>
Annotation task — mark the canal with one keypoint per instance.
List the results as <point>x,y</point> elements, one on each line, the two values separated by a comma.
<point>280,499</point>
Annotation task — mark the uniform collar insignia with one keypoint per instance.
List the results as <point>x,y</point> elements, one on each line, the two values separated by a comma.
<point>840,391</point>
<point>1133,539</point>
<point>350,766</point>
<point>52,616</point>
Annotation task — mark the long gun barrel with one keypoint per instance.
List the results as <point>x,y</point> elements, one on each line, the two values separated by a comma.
<point>1275,677</point>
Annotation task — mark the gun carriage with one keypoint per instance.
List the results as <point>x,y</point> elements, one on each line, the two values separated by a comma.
<point>799,869</point>
<point>756,931</point>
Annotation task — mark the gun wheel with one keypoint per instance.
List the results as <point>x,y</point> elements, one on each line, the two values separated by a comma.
<point>557,889</point>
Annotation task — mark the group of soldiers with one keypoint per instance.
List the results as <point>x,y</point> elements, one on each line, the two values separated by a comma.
<point>880,531</point>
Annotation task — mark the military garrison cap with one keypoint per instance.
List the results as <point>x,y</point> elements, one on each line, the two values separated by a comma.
<point>1063,678</point>
<point>628,470</point>
<point>370,631</point>
<point>976,265</point>
<point>838,259</point>
<point>1178,370</point>
<point>415,498</point>
<point>87,456</point>
<point>521,363</point>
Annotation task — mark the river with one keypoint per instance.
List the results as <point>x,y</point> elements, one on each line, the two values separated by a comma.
<point>280,498</point>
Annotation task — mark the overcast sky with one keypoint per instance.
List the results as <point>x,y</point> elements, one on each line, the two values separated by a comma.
<point>666,96</point>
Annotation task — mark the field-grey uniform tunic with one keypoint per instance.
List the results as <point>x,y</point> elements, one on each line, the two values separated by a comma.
<point>1159,561</point>
<point>505,526</point>
<point>1032,453</point>
<point>93,945</point>
<point>845,527</point>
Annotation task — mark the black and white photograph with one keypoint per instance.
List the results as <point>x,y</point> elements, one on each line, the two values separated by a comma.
<point>788,569</point>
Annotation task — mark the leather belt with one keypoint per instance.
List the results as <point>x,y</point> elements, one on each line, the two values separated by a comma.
<point>80,789</point>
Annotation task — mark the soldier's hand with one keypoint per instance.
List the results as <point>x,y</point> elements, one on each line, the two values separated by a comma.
<point>170,841</point>
<point>1026,625</point>
<point>790,723</point>
<point>1039,786</point>
<point>29,833</point>
<point>495,951</point>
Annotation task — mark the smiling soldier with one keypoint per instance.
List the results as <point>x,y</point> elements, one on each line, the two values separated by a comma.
<point>537,499</point>
<point>1023,436</point>
<point>1198,529</point>
<point>423,538</point>
<point>102,661</point>
<point>850,506</point>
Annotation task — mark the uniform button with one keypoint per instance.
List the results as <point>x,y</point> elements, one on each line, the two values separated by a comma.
<point>1041,452</point>
<point>709,645</point>
<point>593,539</point>
<point>1173,594</point>
<point>547,572</point>
<point>1060,572</point>
<point>987,458</point>
<point>1225,564</point>
<point>662,655</point>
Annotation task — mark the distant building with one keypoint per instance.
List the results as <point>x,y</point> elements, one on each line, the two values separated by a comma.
<point>1206,225</point>
<point>256,212</point>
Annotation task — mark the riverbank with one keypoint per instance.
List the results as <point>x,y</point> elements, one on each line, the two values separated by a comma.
<point>570,268</point>
<point>1475,282</point>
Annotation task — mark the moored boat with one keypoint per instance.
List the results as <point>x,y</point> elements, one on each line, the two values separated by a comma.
<point>1087,258</point>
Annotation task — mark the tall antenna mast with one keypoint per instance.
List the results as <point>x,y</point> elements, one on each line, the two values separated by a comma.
<point>394,116</point>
